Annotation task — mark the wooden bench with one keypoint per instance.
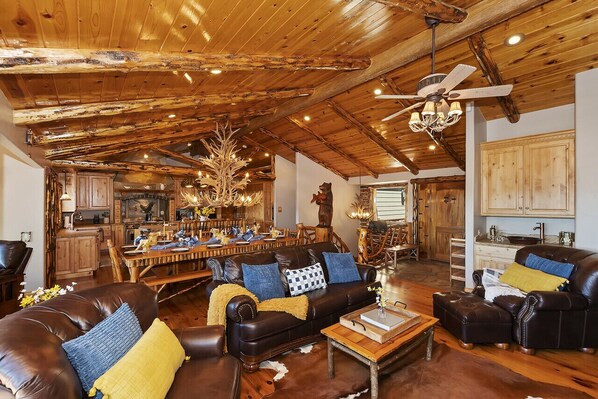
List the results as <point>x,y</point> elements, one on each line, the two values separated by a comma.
<point>159,282</point>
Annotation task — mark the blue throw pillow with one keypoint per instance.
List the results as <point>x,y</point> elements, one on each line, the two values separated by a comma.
<point>341,267</point>
<point>93,353</point>
<point>263,280</point>
<point>549,266</point>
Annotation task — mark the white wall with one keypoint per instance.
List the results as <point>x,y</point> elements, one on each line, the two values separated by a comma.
<point>21,194</point>
<point>586,144</point>
<point>538,122</point>
<point>285,193</point>
<point>309,177</point>
<point>475,133</point>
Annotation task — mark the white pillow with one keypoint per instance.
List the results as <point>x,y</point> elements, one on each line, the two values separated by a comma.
<point>304,280</point>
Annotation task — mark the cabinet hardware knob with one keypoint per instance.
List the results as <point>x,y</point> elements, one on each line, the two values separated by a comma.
<point>527,207</point>
<point>520,207</point>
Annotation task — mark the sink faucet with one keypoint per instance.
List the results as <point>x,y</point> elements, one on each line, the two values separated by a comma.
<point>77,214</point>
<point>540,226</point>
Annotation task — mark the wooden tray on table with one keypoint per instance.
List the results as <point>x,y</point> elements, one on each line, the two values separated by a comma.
<point>354,322</point>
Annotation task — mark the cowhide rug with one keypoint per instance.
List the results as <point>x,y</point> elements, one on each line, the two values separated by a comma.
<point>450,374</point>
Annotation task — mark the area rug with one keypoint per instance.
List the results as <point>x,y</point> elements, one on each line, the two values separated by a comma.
<point>450,374</point>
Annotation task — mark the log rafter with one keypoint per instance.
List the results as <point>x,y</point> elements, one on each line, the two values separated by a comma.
<point>294,148</point>
<point>450,151</point>
<point>429,8</point>
<point>373,136</point>
<point>60,61</point>
<point>90,135</point>
<point>480,50</point>
<point>178,157</point>
<point>332,147</point>
<point>126,167</point>
<point>49,114</point>
<point>481,16</point>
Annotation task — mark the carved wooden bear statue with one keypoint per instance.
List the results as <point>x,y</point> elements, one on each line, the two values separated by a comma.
<point>324,199</point>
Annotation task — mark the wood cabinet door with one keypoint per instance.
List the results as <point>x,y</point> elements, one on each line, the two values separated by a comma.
<point>550,178</point>
<point>502,181</point>
<point>64,264</point>
<point>98,192</point>
<point>118,235</point>
<point>85,254</point>
<point>82,192</point>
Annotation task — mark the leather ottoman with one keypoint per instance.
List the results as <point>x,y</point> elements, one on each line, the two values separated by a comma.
<point>472,319</point>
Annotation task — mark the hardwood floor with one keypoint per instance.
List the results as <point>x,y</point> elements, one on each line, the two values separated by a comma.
<point>568,368</point>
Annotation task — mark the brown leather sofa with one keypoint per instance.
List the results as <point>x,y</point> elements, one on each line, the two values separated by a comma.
<point>34,365</point>
<point>254,337</point>
<point>14,256</point>
<point>543,319</point>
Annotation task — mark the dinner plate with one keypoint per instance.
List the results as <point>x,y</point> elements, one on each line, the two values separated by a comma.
<point>134,252</point>
<point>242,242</point>
<point>179,249</point>
<point>164,241</point>
<point>269,239</point>
<point>214,245</point>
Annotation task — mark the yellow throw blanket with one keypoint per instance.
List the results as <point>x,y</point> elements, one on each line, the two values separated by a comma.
<point>221,296</point>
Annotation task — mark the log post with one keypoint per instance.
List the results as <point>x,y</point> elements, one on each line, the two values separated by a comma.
<point>323,234</point>
<point>362,251</point>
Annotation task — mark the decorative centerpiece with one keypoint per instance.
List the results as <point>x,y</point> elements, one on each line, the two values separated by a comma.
<point>380,300</point>
<point>204,213</point>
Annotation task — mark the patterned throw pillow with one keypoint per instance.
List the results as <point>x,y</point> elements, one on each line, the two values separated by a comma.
<point>102,346</point>
<point>263,280</point>
<point>307,279</point>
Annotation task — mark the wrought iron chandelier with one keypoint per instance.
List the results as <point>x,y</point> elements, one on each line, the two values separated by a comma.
<point>222,185</point>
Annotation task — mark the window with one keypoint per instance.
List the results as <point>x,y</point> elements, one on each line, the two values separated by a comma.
<point>390,203</point>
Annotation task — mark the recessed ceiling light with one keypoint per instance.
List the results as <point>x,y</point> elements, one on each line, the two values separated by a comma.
<point>267,154</point>
<point>172,116</point>
<point>249,159</point>
<point>215,71</point>
<point>515,39</point>
<point>378,92</point>
<point>432,147</point>
<point>188,144</point>
<point>307,118</point>
<point>188,77</point>
<point>145,156</point>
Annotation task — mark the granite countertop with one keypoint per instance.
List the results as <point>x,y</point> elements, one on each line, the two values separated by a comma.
<point>483,239</point>
<point>79,232</point>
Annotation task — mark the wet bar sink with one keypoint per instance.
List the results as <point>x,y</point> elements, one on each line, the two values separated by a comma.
<point>523,240</point>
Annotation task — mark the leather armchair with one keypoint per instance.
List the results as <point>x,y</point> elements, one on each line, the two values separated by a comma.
<point>564,319</point>
<point>14,256</point>
<point>34,365</point>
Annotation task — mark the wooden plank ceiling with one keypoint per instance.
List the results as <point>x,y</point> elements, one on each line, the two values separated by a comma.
<point>99,80</point>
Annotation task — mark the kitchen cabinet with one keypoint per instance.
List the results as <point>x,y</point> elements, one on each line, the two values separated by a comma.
<point>531,176</point>
<point>493,255</point>
<point>118,235</point>
<point>106,235</point>
<point>76,255</point>
<point>94,192</point>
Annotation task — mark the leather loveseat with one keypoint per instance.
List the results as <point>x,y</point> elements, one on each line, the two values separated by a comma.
<point>34,365</point>
<point>254,337</point>
<point>14,256</point>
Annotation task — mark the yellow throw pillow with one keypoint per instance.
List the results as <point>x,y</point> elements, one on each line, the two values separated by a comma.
<point>528,280</point>
<point>147,370</point>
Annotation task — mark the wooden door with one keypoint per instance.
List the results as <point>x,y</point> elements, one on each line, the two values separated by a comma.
<point>447,218</point>
<point>550,178</point>
<point>64,264</point>
<point>82,192</point>
<point>98,192</point>
<point>502,181</point>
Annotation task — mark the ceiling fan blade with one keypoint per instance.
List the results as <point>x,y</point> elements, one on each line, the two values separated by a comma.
<point>481,92</point>
<point>389,117</point>
<point>398,97</point>
<point>456,76</point>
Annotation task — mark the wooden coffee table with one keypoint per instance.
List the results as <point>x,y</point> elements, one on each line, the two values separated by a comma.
<point>378,356</point>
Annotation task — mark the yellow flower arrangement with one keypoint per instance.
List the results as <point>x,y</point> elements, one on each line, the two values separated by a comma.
<point>205,211</point>
<point>42,294</point>
<point>380,297</point>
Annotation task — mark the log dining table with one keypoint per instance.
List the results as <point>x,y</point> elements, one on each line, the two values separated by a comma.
<point>140,264</point>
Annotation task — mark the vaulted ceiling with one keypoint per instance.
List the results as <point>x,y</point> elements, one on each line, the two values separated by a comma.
<point>97,80</point>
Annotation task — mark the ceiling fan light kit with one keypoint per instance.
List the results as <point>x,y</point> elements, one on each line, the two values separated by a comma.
<point>434,89</point>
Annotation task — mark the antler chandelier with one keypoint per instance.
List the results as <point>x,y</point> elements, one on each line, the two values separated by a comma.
<point>222,181</point>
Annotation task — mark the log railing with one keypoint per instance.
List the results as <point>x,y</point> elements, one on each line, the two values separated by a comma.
<point>310,235</point>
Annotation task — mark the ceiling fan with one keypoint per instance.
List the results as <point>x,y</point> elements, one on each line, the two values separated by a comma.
<point>433,91</point>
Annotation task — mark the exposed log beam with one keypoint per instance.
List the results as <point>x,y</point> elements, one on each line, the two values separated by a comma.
<point>481,16</point>
<point>126,167</point>
<point>294,148</point>
<point>450,151</point>
<point>52,60</point>
<point>374,137</point>
<point>49,114</point>
<point>256,145</point>
<point>429,8</point>
<point>492,74</point>
<point>89,136</point>
<point>178,157</point>
<point>386,81</point>
<point>332,147</point>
